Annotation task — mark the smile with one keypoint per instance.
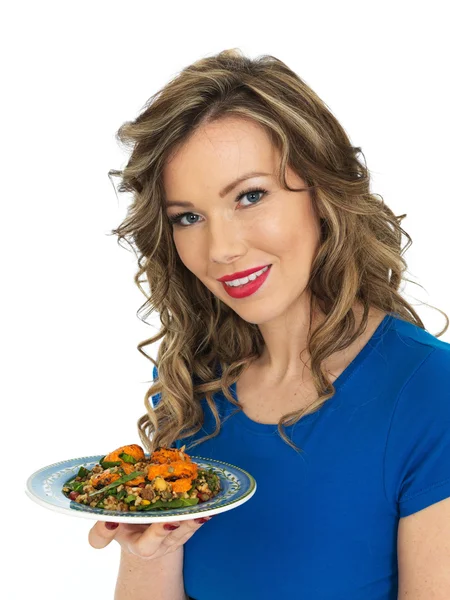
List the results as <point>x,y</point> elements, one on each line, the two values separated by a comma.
<point>240,288</point>
<point>244,280</point>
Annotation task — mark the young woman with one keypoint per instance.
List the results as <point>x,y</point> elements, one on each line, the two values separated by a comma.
<point>308,369</point>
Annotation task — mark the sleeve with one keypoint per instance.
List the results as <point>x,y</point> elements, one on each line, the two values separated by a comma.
<point>417,457</point>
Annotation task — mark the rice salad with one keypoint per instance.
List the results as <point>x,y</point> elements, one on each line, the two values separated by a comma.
<point>126,480</point>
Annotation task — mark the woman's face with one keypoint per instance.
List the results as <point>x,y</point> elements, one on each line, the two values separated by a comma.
<point>220,236</point>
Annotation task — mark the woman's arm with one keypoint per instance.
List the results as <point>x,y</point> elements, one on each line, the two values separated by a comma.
<point>155,579</point>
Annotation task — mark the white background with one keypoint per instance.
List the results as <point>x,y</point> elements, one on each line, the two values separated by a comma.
<point>73,381</point>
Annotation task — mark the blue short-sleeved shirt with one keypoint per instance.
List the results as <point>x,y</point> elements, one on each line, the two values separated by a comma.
<point>322,525</point>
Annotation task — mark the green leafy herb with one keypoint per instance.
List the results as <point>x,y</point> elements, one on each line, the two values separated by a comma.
<point>176,503</point>
<point>213,481</point>
<point>128,458</point>
<point>118,482</point>
<point>75,486</point>
<point>110,464</point>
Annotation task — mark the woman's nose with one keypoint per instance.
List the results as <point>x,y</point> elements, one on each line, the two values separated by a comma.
<point>225,241</point>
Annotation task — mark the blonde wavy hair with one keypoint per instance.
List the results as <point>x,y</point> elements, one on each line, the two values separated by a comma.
<point>205,345</point>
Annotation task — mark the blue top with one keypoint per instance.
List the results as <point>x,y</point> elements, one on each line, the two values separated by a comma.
<point>322,525</point>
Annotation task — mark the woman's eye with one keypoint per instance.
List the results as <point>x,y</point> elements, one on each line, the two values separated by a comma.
<point>252,192</point>
<point>177,219</point>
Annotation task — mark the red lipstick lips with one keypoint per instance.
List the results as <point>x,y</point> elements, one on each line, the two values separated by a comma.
<point>241,291</point>
<point>241,274</point>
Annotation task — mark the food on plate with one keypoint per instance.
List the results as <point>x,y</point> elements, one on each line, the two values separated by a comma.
<point>126,480</point>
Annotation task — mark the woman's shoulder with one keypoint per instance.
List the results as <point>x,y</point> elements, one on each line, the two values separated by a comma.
<point>410,334</point>
<point>422,355</point>
<point>424,361</point>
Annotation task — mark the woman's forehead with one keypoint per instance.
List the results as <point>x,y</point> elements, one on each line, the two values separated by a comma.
<point>213,159</point>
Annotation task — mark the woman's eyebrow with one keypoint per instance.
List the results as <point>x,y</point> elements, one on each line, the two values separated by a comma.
<point>226,190</point>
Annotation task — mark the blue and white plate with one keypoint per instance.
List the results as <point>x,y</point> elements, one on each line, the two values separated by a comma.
<point>45,488</point>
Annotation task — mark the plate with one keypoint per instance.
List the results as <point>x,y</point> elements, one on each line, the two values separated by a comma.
<point>45,487</point>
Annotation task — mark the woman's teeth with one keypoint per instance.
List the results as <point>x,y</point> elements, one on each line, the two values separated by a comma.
<point>244,280</point>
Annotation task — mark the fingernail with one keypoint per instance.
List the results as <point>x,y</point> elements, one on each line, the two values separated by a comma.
<point>203,519</point>
<point>170,527</point>
<point>109,525</point>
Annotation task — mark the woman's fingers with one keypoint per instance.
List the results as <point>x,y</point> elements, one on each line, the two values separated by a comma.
<point>180,536</point>
<point>157,541</point>
<point>102,534</point>
<point>145,541</point>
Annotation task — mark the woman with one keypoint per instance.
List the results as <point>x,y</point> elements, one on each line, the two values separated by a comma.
<point>314,374</point>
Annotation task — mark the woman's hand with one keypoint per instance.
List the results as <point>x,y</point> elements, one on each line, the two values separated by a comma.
<point>145,541</point>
